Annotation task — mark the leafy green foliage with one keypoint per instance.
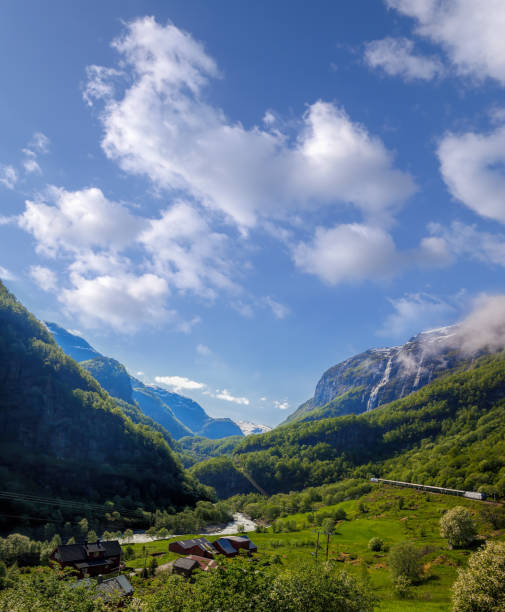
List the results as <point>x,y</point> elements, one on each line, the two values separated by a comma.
<point>481,586</point>
<point>62,434</point>
<point>460,417</point>
<point>375,544</point>
<point>405,562</point>
<point>458,527</point>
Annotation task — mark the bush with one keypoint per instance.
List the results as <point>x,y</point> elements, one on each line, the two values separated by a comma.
<point>405,562</point>
<point>458,527</point>
<point>481,586</point>
<point>375,544</point>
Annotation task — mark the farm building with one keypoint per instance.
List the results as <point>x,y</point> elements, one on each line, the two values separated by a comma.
<point>89,559</point>
<point>242,542</point>
<point>198,546</point>
<point>185,566</point>
<point>225,547</point>
<point>205,563</point>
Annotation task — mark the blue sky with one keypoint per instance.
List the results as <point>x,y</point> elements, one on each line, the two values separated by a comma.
<point>230,197</point>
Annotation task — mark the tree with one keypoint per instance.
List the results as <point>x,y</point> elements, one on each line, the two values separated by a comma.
<point>153,564</point>
<point>481,586</point>
<point>375,544</point>
<point>405,561</point>
<point>458,527</point>
<point>128,535</point>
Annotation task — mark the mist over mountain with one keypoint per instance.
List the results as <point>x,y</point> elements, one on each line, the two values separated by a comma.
<point>381,375</point>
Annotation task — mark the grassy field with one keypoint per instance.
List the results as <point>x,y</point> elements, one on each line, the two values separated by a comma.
<point>394,515</point>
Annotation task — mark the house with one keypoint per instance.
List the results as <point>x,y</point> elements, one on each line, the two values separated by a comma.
<point>185,566</point>
<point>204,563</point>
<point>89,559</point>
<point>198,546</point>
<point>242,542</point>
<point>225,547</point>
<point>112,588</point>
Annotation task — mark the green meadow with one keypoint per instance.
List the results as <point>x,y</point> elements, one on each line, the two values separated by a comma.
<point>394,515</point>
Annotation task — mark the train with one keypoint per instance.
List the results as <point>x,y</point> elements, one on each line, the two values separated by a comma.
<point>432,489</point>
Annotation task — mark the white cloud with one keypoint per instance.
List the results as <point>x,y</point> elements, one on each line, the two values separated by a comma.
<point>163,128</point>
<point>348,253</point>
<point>186,251</point>
<point>281,405</point>
<point>468,241</point>
<point>45,278</point>
<point>203,350</point>
<point>40,142</point>
<point>484,327</point>
<point>470,32</point>
<point>179,383</point>
<point>123,301</point>
<point>6,275</point>
<point>472,167</point>
<point>31,166</point>
<point>396,57</point>
<point>8,176</point>
<point>416,311</point>
<point>225,395</point>
<point>280,311</point>
<point>70,221</point>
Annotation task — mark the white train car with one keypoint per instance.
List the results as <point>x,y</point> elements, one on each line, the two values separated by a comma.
<point>431,488</point>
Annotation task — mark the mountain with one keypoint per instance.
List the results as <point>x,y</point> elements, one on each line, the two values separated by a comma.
<point>179,415</point>
<point>450,433</point>
<point>62,435</point>
<point>249,428</point>
<point>382,375</point>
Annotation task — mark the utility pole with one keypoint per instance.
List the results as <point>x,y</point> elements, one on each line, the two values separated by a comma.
<point>317,546</point>
<point>327,545</point>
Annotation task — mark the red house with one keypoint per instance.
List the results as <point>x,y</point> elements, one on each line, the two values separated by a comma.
<point>242,542</point>
<point>198,546</point>
<point>89,559</point>
<point>225,547</point>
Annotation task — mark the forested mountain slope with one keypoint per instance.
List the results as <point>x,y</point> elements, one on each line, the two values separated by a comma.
<point>61,434</point>
<point>382,375</point>
<point>179,415</point>
<point>449,433</point>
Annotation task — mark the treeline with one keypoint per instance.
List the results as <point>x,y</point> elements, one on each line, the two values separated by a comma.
<point>193,449</point>
<point>460,417</point>
<point>61,435</point>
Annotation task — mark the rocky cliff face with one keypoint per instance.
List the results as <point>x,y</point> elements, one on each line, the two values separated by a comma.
<point>381,375</point>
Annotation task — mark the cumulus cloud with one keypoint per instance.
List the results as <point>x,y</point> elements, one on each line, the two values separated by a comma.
<point>284,405</point>
<point>40,142</point>
<point>38,145</point>
<point>70,221</point>
<point>162,127</point>
<point>186,251</point>
<point>347,253</point>
<point>472,168</point>
<point>415,311</point>
<point>396,57</point>
<point>179,383</point>
<point>225,395</point>
<point>471,33</point>
<point>124,301</point>
<point>44,277</point>
<point>8,176</point>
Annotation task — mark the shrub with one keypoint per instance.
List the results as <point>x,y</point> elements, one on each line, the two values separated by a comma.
<point>458,527</point>
<point>405,562</point>
<point>481,586</point>
<point>375,544</point>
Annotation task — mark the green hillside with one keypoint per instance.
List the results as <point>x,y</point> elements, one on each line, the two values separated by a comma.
<point>449,433</point>
<point>61,434</point>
